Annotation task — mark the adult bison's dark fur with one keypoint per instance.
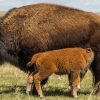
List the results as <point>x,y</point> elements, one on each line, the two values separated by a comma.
<point>41,27</point>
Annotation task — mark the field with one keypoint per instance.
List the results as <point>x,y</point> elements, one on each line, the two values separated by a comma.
<point>11,78</point>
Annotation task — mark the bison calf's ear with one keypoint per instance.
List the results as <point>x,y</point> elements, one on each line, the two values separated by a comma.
<point>88,50</point>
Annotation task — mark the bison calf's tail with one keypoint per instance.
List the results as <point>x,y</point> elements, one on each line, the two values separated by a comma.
<point>33,60</point>
<point>29,64</point>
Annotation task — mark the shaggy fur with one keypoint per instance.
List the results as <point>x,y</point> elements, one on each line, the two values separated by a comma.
<point>70,60</point>
<point>30,29</point>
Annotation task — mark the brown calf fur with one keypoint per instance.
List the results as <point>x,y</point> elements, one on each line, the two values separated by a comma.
<point>63,61</point>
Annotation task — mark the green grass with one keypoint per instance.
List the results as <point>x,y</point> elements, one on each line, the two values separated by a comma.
<point>11,77</point>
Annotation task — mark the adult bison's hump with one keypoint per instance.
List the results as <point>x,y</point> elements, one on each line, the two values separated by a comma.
<point>46,23</point>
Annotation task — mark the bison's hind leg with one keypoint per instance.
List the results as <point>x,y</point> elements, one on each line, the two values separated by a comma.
<point>29,82</point>
<point>38,77</point>
<point>43,82</point>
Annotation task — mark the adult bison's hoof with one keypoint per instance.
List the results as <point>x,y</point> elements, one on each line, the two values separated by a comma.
<point>96,89</point>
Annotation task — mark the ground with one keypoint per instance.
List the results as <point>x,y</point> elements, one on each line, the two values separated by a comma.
<point>11,78</point>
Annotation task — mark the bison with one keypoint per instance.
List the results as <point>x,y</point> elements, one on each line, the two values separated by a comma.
<point>35,28</point>
<point>63,61</point>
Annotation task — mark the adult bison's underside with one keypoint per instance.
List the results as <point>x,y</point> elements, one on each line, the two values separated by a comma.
<point>41,27</point>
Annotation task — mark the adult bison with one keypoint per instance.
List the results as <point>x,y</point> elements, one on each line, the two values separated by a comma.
<point>41,27</point>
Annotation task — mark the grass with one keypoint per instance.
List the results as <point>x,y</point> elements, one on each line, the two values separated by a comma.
<point>11,77</point>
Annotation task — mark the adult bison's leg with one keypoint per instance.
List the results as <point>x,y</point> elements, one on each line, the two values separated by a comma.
<point>96,74</point>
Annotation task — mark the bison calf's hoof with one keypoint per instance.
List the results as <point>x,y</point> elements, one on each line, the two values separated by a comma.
<point>74,95</point>
<point>27,92</point>
<point>41,96</point>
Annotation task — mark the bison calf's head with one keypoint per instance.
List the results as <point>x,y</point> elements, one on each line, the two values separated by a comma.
<point>90,55</point>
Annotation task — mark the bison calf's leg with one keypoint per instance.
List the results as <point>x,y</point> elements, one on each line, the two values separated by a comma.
<point>70,81</point>
<point>75,83</point>
<point>37,82</point>
<point>29,83</point>
<point>43,82</point>
<point>82,74</point>
<point>38,78</point>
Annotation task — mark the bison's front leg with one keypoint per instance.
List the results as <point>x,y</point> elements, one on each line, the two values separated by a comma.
<point>75,83</point>
<point>95,69</point>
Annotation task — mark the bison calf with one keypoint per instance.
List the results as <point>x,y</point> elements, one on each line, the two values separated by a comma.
<point>63,61</point>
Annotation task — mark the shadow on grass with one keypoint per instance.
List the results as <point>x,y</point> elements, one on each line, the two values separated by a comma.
<point>57,92</point>
<point>62,92</point>
<point>84,92</point>
<point>12,89</point>
<point>49,91</point>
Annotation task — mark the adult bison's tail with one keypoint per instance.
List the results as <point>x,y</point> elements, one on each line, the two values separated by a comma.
<point>33,60</point>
